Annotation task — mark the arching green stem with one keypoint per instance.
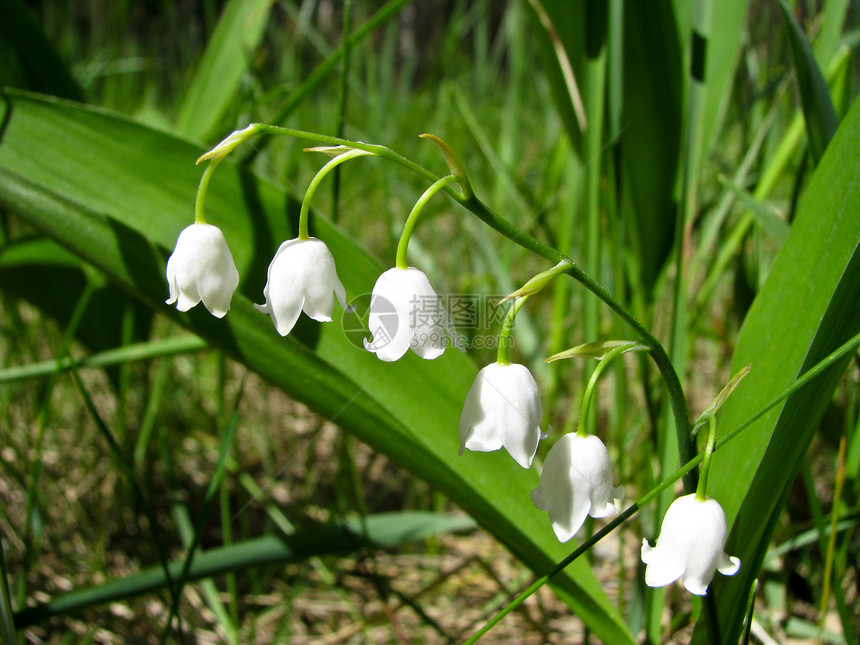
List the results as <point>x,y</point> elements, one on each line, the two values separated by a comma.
<point>595,376</point>
<point>675,391</point>
<point>401,262</point>
<point>199,217</point>
<point>688,467</point>
<point>507,326</point>
<point>706,460</point>
<point>315,182</point>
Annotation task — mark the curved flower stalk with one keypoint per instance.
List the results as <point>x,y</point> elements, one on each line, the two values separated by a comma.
<point>201,267</point>
<point>301,277</point>
<point>503,410</point>
<point>405,312</point>
<point>690,546</point>
<point>576,482</point>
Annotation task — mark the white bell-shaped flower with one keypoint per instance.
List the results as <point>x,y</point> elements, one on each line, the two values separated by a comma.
<point>405,312</point>
<point>202,268</point>
<point>301,277</point>
<point>690,546</point>
<point>576,482</point>
<point>502,410</point>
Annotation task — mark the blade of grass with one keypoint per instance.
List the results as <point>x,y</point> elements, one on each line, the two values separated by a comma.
<point>229,53</point>
<point>384,530</point>
<point>185,344</point>
<point>385,13</point>
<point>7,619</point>
<point>214,485</point>
<point>35,470</point>
<point>767,219</point>
<point>808,317</point>
<point>127,471</point>
<point>818,110</point>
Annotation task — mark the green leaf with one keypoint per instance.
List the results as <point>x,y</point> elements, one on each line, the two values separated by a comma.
<point>27,59</point>
<point>808,306</point>
<point>725,44</point>
<point>818,110</point>
<point>228,56</point>
<point>384,530</point>
<point>117,194</point>
<point>651,141</point>
<point>770,222</point>
<point>559,29</point>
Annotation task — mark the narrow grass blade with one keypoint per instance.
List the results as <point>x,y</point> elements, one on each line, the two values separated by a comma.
<point>818,110</point>
<point>725,46</point>
<point>773,224</point>
<point>137,352</point>
<point>7,620</point>
<point>651,138</point>
<point>809,304</point>
<point>385,530</point>
<point>384,14</point>
<point>228,56</point>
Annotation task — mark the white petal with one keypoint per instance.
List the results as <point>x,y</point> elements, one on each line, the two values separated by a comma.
<point>691,541</point>
<point>576,482</point>
<point>320,279</point>
<point>428,344</point>
<point>387,319</point>
<point>557,494</point>
<point>662,569</point>
<point>202,268</point>
<point>398,310</point>
<point>474,417</point>
<point>301,276</point>
<point>502,408</point>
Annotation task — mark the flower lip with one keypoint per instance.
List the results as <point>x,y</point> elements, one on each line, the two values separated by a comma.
<point>690,546</point>
<point>301,277</point>
<point>502,410</point>
<point>201,268</point>
<point>576,482</point>
<point>407,313</point>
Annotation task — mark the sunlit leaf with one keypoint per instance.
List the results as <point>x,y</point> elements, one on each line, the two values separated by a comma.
<point>809,305</point>
<point>117,194</point>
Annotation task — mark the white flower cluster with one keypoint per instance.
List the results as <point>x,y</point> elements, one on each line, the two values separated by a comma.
<point>301,277</point>
<point>502,409</point>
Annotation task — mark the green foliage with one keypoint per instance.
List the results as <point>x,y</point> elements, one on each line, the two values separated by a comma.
<point>227,58</point>
<point>655,151</point>
<point>811,297</point>
<point>115,206</point>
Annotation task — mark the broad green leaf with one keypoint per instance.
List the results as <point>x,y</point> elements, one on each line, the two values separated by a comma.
<point>818,110</point>
<point>808,306</point>
<point>117,194</point>
<point>228,56</point>
<point>385,530</point>
<point>27,59</point>
<point>651,140</point>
